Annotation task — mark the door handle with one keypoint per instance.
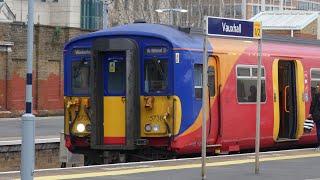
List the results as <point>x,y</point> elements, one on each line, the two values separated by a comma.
<point>285,99</point>
<point>123,99</point>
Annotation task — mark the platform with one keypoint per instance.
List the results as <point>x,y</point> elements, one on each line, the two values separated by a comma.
<point>302,164</point>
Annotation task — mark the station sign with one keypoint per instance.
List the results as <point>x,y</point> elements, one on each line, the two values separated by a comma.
<point>233,28</point>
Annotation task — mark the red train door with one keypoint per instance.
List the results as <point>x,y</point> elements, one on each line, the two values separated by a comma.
<point>214,101</point>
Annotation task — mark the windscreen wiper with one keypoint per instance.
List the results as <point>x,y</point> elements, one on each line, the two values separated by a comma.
<point>78,67</point>
<point>158,66</point>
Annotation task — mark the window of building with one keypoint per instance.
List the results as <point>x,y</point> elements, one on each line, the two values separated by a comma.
<point>227,10</point>
<point>315,80</point>
<point>41,1</point>
<point>198,81</point>
<point>305,5</point>
<point>238,9</point>
<point>55,1</point>
<point>247,84</point>
<point>91,14</point>
<point>80,77</point>
<point>256,9</point>
<point>155,75</point>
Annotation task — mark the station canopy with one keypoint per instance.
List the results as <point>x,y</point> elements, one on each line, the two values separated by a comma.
<point>285,20</point>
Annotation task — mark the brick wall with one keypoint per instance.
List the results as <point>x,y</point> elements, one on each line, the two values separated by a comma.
<point>47,68</point>
<point>46,156</point>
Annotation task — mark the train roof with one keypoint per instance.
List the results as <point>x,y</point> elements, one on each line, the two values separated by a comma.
<point>177,36</point>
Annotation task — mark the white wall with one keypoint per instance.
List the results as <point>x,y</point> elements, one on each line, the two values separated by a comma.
<point>61,13</point>
<point>65,13</point>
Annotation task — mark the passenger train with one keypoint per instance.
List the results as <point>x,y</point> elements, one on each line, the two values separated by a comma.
<point>135,91</point>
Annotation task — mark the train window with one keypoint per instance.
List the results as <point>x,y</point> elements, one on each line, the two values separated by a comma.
<point>155,75</point>
<point>243,71</point>
<point>211,81</point>
<point>247,84</point>
<point>80,76</point>
<point>116,76</point>
<point>315,80</point>
<point>198,81</point>
<point>255,72</point>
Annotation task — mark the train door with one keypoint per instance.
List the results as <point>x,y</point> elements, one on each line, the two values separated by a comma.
<point>287,99</point>
<point>114,116</point>
<point>115,94</point>
<point>289,107</point>
<point>214,100</point>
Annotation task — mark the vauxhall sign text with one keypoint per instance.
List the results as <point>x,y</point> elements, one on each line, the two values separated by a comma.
<point>232,27</point>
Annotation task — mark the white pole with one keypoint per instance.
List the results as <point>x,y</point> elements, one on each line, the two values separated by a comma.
<point>28,127</point>
<point>204,98</point>
<point>257,146</point>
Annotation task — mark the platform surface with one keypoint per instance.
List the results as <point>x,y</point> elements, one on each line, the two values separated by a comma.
<point>301,164</point>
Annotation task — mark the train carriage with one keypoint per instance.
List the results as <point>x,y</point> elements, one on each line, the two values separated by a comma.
<point>136,91</point>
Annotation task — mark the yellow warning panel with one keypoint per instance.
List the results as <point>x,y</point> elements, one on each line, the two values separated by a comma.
<point>114,120</point>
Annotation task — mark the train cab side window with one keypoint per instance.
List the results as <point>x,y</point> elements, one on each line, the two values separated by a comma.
<point>247,84</point>
<point>198,81</point>
<point>155,75</point>
<point>315,80</point>
<point>80,77</point>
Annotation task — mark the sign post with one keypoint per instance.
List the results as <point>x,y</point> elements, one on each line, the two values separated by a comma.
<point>224,27</point>
<point>28,119</point>
<point>204,98</point>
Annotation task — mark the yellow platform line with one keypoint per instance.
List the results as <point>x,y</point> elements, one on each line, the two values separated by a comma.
<point>165,168</point>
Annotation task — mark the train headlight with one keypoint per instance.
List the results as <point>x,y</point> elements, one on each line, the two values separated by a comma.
<point>148,127</point>
<point>156,128</point>
<point>80,127</point>
<point>88,127</point>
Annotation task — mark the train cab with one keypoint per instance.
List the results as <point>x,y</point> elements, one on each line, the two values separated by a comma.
<point>120,89</point>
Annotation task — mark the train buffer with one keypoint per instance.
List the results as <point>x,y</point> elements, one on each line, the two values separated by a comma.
<point>298,164</point>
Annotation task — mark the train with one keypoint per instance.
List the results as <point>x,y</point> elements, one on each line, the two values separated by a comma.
<point>135,92</point>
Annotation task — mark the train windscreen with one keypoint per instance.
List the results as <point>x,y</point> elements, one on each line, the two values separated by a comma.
<point>156,75</point>
<point>81,77</point>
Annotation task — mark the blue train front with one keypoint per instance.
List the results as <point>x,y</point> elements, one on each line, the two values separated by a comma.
<point>131,88</point>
